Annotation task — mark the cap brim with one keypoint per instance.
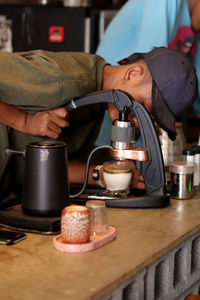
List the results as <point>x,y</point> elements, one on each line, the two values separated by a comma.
<point>162,114</point>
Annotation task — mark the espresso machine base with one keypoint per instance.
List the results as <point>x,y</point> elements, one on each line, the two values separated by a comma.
<point>136,199</point>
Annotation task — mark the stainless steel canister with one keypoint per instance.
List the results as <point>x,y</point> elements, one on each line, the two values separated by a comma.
<point>181,179</point>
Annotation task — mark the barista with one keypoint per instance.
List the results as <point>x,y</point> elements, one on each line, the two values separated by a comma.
<point>35,85</point>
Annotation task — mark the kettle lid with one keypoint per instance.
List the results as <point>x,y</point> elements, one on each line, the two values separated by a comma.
<point>46,144</point>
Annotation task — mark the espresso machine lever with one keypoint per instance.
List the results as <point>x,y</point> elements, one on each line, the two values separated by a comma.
<point>120,99</point>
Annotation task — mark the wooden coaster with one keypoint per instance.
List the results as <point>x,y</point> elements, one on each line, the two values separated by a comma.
<point>94,243</point>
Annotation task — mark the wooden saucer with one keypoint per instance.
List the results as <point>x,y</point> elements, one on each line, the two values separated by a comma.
<point>94,243</point>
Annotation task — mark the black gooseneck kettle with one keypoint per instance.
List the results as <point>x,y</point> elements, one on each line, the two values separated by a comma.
<point>46,187</point>
<point>45,184</point>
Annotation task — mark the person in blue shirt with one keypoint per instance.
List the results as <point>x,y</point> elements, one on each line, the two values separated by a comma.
<point>141,25</point>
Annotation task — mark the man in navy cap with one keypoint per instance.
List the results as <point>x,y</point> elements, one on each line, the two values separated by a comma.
<point>174,85</point>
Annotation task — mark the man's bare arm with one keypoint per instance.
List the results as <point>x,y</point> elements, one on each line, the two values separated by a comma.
<point>194,6</point>
<point>77,168</point>
<point>44,123</point>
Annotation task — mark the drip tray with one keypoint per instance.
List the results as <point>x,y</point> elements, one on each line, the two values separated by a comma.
<point>14,218</point>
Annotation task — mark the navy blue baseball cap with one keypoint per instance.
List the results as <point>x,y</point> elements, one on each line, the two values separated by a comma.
<point>174,87</point>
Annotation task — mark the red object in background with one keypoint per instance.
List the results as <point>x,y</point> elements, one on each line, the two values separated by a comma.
<point>56,34</point>
<point>184,41</point>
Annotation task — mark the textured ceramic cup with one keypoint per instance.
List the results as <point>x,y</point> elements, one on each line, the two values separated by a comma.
<point>75,224</point>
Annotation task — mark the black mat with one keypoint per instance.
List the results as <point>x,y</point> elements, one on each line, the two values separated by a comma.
<point>136,199</point>
<point>14,218</point>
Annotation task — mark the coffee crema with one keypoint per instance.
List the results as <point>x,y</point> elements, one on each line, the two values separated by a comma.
<point>118,167</point>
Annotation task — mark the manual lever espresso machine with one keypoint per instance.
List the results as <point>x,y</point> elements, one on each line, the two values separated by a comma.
<point>46,188</point>
<point>148,159</point>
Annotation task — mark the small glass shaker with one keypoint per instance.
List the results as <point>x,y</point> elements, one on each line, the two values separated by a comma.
<point>188,155</point>
<point>98,218</point>
<point>197,173</point>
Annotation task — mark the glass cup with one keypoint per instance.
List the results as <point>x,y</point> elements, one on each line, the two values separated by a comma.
<point>117,176</point>
<point>98,218</point>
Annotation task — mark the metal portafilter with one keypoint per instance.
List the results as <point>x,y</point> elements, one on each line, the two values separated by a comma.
<point>123,132</point>
<point>123,140</point>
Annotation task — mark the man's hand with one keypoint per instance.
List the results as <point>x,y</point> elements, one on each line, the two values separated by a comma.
<point>137,181</point>
<point>47,123</point>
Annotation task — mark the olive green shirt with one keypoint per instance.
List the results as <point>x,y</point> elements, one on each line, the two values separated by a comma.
<point>41,80</point>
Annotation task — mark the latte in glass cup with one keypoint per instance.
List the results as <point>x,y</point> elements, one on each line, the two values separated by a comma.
<point>117,176</point>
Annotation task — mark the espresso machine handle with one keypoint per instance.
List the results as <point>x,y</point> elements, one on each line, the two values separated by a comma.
<point>9,153</point>
<point>120,99</point>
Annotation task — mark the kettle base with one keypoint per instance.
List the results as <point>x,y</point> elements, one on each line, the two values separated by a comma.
<point>42,213</point>
<point>14,218</point>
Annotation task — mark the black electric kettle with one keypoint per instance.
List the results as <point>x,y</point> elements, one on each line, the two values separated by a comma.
<point>45,187</point>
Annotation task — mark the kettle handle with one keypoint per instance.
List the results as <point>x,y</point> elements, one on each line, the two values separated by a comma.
<point>9,153</point>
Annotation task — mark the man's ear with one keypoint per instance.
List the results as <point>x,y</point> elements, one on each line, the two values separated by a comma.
<point>134,72</point>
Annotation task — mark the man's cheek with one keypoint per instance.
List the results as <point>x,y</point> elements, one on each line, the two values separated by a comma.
<point>134,119</point>
<point>113,112</point>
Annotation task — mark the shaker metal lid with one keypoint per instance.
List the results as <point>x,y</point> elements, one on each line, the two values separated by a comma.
<point>188,151</point>
<point>182,167</point>
<point>196,149</point>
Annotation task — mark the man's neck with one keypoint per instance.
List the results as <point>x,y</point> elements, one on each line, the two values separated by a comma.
<point>109,77</point>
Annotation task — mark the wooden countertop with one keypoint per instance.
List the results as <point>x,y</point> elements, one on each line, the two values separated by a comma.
<point>34,269</point>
